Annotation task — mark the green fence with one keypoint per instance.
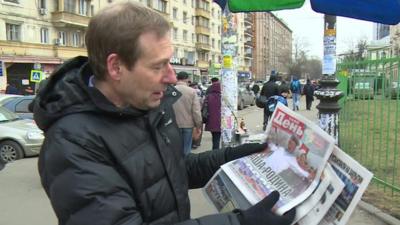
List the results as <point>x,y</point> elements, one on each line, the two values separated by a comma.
<point>369,125</point>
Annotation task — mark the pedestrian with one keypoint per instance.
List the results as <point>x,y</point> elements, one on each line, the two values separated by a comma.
<point>112,152</point>
<point>197,133</point>
<point>11,89</point>
<point>187,111</point>
<point>269,89</point>
<point>213,102</point>
<point>295,88</point>
<point>308,91</point>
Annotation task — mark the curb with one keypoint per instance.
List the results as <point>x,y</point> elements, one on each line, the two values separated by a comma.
<point>378,213</point>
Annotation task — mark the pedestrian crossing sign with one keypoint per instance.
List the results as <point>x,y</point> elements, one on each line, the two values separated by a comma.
<point>36,76</point>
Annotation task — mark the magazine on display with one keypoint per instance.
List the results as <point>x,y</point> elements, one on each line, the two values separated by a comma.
<point>355,178</point>
<point>315,207</point>
<point>302,163</point>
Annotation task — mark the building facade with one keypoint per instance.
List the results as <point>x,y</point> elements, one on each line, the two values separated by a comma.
<point>42,34</point>
<point>272,46</point>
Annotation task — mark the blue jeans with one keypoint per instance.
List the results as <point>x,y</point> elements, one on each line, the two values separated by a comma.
<point>187,139</point>
<point>296,101</point>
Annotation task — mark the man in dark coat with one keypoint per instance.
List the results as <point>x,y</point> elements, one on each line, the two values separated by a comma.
<point>112,153</point>
<point>269,89</point>
<point>308,91</point>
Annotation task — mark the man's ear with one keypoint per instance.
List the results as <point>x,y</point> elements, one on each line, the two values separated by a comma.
<point>114,66</point>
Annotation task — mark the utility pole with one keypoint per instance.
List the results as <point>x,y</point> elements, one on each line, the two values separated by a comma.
<point>228,74</point>
<point>328,94</point>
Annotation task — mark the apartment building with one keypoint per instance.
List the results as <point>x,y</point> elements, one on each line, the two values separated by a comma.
<point>40,35</point>
<point>395,40</point>
<point>272,46</point>
<point>245,45</point>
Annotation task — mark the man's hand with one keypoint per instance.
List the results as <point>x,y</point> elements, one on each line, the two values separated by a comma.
<point>261,213</point>
<point>244,150</point>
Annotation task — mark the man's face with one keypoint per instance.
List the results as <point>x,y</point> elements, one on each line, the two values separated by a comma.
<point>291,146</point>
<point>143,85</point>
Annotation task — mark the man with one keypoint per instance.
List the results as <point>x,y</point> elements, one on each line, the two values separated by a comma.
<point>280,159</point>
<point>112,152</point>
<point>187,111</point>
<point>269,89</point>
<point>308,91</point>
<point>295,88</point>
<point>11,89</point>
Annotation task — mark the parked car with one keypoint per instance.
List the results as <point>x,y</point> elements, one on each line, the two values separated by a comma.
<point>19,105</point>
<point>19,138</point>
<point>246,97</point>
<point>364,90</point>
<point>395,90</point>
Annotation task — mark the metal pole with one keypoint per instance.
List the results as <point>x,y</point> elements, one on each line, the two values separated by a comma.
<point>328,94</point>
<point>228,74</point>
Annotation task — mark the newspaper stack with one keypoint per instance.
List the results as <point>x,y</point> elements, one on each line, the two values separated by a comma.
<point>301,162</point>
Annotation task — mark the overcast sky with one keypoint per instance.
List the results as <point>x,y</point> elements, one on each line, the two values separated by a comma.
<point>307,26</point>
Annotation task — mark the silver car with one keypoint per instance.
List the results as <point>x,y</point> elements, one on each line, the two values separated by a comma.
<point>246,97</point>
<point>19,138</point>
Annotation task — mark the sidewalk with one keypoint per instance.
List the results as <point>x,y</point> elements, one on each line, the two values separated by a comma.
<point>364,214</point>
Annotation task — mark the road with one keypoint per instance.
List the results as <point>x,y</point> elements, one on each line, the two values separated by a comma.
<point>23,201</point>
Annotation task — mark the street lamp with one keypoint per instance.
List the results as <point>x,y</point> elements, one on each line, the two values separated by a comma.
<point>328,94</point>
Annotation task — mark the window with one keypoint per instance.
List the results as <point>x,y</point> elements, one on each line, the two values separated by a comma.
<point>83,7</point>
<point>42,4</point>
<point>160,5</point>
<point>175,13</point>
<point>12,1</point>
<point>76,39</point>
<point>193,38</point>
<point>185,35</point>
<point>44,35</point>
<point>184,15</point>
<point>212,42</point>
<point>69,6</point>
<point>175,34</point>
<point>62,37</point>
<point>13,32</point>
<point>22,106</point>
<point>184,2</point>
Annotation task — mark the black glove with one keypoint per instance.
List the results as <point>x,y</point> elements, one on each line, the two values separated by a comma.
<point>244,150</point>
<point>261,214</point>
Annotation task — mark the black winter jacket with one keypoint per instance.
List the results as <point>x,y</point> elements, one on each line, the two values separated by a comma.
<point>103,165</point>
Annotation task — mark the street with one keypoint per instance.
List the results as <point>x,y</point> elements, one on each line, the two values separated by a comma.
<point>23,200</point>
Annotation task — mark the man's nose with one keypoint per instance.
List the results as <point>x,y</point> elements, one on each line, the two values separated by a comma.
<point>170,76</point>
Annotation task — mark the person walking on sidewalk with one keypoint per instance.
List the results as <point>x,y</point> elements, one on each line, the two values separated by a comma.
<point>308,91</point>
<point>187,111</point>
<point>213,102</point>
<point>295,88</point>
<point>112,152</point>
<point>269,89</point>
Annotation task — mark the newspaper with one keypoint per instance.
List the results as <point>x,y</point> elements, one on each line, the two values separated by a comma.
<point>356,179</point>
<point>297,153</point>
<point>319,206</point>
<point>303,164</point>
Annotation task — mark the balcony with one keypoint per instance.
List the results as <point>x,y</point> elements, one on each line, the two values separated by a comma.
<point>68,19</point>
<point>248,19</point>
<point>203,46</point>
<point>203,13</point>
<point>202,30</point>
<point>248,32</point>
<point>248,44</point>
<point>202,63</point>
<point>248,56</point>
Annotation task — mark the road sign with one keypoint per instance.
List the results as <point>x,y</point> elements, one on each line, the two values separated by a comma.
<point>36,76</point>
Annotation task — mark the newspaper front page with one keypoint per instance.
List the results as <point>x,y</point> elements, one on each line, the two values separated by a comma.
<point>326,199</point>
<point>356,179</point>
<point>292,164</point>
